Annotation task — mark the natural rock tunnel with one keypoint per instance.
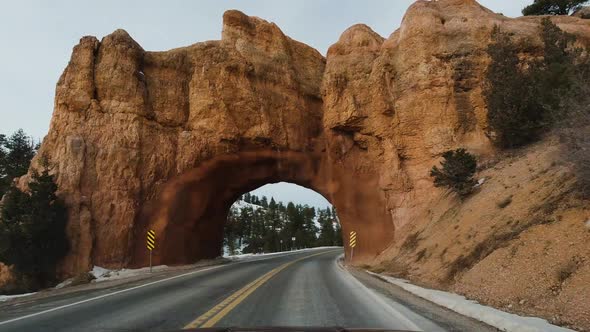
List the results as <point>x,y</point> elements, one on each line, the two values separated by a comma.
<point>192,209</point>
<point>168,140</point>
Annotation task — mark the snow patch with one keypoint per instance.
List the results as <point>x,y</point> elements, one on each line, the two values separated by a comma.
<point>102,274</point>
<point>479,183</point>
<point>64,283</point>
<point>98,271</point>
<point>239,204</point>
<point>248,256</point>
<point>491,316</point>
<point>8,297</point>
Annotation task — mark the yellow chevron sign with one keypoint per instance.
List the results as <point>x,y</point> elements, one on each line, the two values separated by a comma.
<point>151,240</point>
<point>352,241</point>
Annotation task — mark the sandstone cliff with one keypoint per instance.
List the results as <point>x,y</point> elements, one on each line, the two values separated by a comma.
<point>167,140</point>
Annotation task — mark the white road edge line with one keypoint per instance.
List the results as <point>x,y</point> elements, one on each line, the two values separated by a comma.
<point>105,295</point>
<point>130,289</point>
<point>377,298</point>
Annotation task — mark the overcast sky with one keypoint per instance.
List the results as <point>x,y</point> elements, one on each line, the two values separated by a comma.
<point>37,37</point>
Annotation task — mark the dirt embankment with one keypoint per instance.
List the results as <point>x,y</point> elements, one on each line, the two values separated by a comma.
<point>519,243</point>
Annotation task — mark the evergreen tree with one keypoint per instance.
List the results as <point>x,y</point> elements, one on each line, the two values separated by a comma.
<point>275,225</point>
<point>327,235</point>
<point>231,231</point>
<point>256,240</point>
<point>553,7</point>
<point>263,228</point>
<point>32,235</point>
<point>282,208</point>
<point>21,150</point>
<point>16,153</point>
<point>309,227</point>
<point>523,104</point>
<point>554,75</point>
<point>515,114</point>
<point>246,219</point>
<point>456,172</point>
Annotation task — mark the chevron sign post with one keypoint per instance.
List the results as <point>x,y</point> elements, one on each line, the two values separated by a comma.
<point>352,243</point>
<point>151,244</point>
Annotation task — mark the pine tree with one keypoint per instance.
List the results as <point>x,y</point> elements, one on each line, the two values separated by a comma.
<point>327,233</point>
<point>231,231</point>
<point>554,75</point>
<point>16,153</point>
<point>274,222</point>
<point>553,7</point>
<point>263,228</point>
<point>33,230</point>
<point>456,172</point>
<point>20,152</point>
<point>310,229</point>
<point>515,114</point>
<point>525,103</point>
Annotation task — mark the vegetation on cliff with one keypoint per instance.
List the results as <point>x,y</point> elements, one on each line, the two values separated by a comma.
<point>515,113</point>
<point>529,211</point>
<point>526,98</point>
<point>456,172</point>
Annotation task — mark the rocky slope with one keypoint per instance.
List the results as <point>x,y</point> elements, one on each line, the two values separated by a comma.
<point>519,243</point>
<point>168,140</point>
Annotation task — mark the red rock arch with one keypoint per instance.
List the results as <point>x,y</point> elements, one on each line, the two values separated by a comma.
<point>375,114</point>
<point>168,140</point>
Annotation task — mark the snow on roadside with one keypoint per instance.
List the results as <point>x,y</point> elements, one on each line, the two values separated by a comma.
<point>491,316</point>
<point>246,256</point>
<point>98,271</point>
<point>64,283</point>
<point>102,274</point>
<point>8,297</point>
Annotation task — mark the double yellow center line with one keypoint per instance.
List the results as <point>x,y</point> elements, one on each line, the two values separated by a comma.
<point>215,314</point>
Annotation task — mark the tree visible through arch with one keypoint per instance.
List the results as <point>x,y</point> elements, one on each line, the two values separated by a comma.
<point>260,224</point>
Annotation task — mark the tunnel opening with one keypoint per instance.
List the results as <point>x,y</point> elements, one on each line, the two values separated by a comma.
<point>191,210</point>
<point>280,217</point>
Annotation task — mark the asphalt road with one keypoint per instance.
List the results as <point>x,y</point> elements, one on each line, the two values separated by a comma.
<point>297,289</point>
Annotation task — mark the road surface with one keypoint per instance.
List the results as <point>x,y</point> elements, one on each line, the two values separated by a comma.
<point>306,288</point>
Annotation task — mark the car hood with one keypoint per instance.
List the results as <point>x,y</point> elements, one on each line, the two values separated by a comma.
<point>290,329</point>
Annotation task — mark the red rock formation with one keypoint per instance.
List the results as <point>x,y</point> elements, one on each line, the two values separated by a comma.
<point>167,140</point>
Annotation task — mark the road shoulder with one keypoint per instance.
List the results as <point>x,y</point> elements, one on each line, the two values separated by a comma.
<point>443,317</point>
<point>55,294</point>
